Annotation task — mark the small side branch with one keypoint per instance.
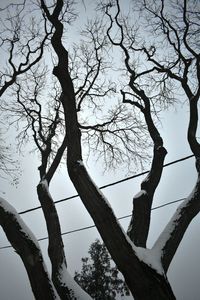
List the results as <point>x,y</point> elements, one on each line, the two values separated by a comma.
<point>32,57</point>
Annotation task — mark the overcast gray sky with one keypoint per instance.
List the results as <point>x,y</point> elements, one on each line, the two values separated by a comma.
<point>177,182</point>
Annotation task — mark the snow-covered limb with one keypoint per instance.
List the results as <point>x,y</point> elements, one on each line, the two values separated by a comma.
<point>56,246</point>
<point>147,256</point>
<point>26,245</point>
<point>127,256</point>
<point>77,292</point>
<point>10,210</point>
<point>169,240</point>
<point>150,257</point>
<point>60,273</point>
<point>142,202</point>
<point>139,195</point>
<point>111,232</point>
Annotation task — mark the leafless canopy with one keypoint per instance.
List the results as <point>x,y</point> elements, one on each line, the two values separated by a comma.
<point>107,92</point>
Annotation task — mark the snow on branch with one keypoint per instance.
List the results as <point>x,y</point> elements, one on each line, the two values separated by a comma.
<point>26,245</point>
<point>10,213</point>
<point>77,291</point>
<point>147,256</point>
<point>169,240</point>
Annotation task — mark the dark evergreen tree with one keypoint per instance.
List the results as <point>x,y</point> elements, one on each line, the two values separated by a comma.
<point>99,277</point>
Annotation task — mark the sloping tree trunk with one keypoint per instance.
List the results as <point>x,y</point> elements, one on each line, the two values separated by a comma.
<point>26,246</point>
<point>56,247</point>
<point>143,281</point>
<point>145,273</point>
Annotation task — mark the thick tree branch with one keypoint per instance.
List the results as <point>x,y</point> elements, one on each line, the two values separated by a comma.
<point>192,128</point>
<point>173,233</point>
<point>170,238</point>
<point>142,202</point>
<point>59,154</point>
<point>56,247</point>
<point>28,249</point>
<point>94,201</point>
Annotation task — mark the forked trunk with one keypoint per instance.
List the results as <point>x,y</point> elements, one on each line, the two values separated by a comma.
<point>151,287</point>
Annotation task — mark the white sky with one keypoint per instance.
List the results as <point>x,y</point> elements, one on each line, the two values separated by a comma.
<point>177,182</point>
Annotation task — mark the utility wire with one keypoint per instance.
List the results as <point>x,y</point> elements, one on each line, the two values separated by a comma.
<point>120,218</point>
<point>110,184</point>
<point>93,226</point>
<point>103,187</point>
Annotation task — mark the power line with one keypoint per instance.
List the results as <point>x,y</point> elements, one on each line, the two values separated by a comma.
<point>93,226</point>
<point>110,184</point>
<point>103,187</point>
<point>120,218</point>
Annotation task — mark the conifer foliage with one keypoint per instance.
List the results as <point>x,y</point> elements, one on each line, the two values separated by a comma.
<point>99,277</point>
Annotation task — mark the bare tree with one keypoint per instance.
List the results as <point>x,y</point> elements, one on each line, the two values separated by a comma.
<point>22,47</point>
<point>149,78</point>
<point>27,109</point>
<point>8,165</point>
<point>179,65</point>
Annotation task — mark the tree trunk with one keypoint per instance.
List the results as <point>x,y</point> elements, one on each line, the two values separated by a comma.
<point>56,247</point>
<point>27,248</point>
<point>144,282</point>
<point>152,286</point>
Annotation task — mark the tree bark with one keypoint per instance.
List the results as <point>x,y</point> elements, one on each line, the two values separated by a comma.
<point>173,233</point>
<point>144,282</point>
<point>28,249</point>
<point>56,247</point>
<point>140,222</point>
<point>139,226</point>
